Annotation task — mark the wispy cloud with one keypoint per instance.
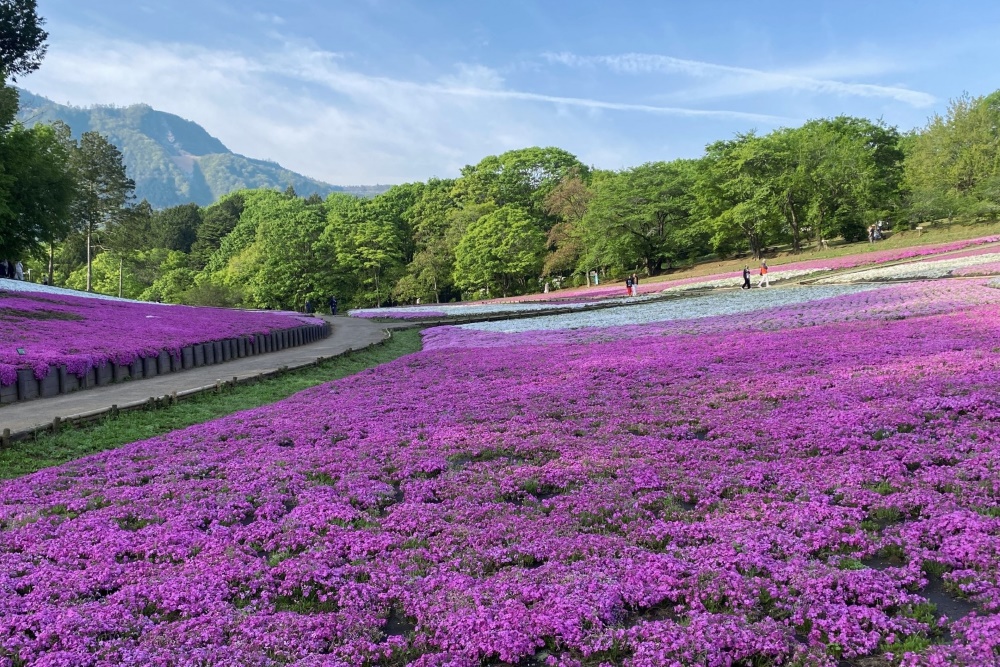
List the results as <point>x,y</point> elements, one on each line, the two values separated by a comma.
<point>729,81</point>
<point>268,18</point>
<point>481,83</point>
<point>316,112</point>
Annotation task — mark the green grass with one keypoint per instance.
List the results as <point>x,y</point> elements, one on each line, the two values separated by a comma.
<point>51,449</point>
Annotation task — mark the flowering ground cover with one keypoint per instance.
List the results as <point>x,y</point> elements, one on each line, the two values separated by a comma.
<point>986,269</point>
<point>7,285</point>
<point>579,296</point>
<point>56,327</point>
<point>927,268</point>
<point>815,484</point>
<point>799,269</point>
<point>472,308</point>
<point>756,309</point>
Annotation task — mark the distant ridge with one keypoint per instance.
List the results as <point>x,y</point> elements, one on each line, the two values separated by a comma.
<point>172,160</point>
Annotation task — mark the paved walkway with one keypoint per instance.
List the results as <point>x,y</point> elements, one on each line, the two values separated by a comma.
<point>348,333</point>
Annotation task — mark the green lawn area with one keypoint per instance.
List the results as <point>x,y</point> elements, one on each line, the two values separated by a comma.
<point>51,449</point>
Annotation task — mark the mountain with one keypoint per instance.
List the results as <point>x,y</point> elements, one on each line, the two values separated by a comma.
<point>172,160</point>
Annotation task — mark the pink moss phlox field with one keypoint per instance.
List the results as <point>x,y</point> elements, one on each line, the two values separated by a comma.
<point>83,333</point>
<point>732,496</point>
<point>988,269</point>
<point>894,302</point>
<point>974,252</point>
<point>591,294</point>
<point>833,264</point>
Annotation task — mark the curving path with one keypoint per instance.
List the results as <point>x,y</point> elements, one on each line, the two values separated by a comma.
<point>348,333</point>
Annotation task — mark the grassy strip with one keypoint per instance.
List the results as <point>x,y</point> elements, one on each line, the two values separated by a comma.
<point>51,449</point>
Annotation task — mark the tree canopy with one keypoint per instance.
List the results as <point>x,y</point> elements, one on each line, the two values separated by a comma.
<point>22,39</point>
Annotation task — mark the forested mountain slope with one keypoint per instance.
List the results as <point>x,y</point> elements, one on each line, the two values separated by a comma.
<point>172,160</point>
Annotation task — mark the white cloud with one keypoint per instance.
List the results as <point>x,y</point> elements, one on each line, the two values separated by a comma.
<point>311,111</point>
<point>273,19</point>
<point>730,81</point>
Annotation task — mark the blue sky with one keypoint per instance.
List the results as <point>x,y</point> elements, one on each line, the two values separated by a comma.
<point>382,91</point>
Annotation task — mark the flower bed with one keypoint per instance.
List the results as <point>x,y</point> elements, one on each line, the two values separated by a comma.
<point>609,293</point>
<point>801,495</point>
<point>690,314</point>
<point>986,269</point>
<point>59,328</point>
<point>472,309</point>
<point>923,269</point>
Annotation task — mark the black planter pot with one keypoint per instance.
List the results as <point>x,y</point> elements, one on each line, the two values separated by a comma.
<point>68,382</point>
<point>48,386</point>
<point>27,385</point>
<point>121,372</point>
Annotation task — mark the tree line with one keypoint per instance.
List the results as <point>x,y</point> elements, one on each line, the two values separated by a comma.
<point>504,226</point>
<point>53,188</point>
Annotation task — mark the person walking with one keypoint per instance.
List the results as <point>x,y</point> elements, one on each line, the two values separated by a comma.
<point>309,307</point>
<point>628,286</point>
<point>635,284</point>
<point>746,276</point>
<point>333,305</point>
<point>764,282</point>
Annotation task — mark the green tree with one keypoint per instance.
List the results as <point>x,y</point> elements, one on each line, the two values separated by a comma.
<point>568,203</point>
<point>218,220</point>
<point>174,281</point>
<point>127,237</point>
<point>37,187</point>
<point>105,276</point>
<point>953,164</point>
<point>268,258</point>
<point>104,190</point>
<point>735,194</point>
<point>502,250</point>
<point>176,228</point>
<point>522,178</point>
<point>367,243</point>
<point>641,217</point>
<point>428,274</point>
<point>22,40</point>
<point>853,170</point>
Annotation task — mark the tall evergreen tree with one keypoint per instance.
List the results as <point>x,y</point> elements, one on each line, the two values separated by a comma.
<point>104,190</point>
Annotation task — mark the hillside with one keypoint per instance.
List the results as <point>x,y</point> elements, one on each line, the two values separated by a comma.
<point>172,160</point>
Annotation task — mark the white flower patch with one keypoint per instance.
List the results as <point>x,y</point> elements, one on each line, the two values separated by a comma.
<point>7,285</point>
<point>467,310</point>
<point>913,270</point>
<point>774,276</point>
<point>711,305</point>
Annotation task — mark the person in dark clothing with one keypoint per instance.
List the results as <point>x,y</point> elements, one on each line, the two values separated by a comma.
<point>333,305</point>
<point>746,277</point>
<point>309,307</point>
